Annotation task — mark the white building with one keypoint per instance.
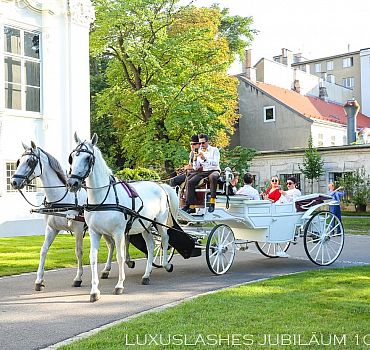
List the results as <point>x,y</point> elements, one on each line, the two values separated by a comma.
<point>44,94</point>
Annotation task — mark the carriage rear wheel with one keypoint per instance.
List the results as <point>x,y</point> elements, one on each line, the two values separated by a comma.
<point>158,252</point>
<point>323,238</point>
<point>220,249</point>
<point>272,250</point>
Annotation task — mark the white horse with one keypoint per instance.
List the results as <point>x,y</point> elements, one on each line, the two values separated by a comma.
<point>105,212</point>
<point>34,163</point>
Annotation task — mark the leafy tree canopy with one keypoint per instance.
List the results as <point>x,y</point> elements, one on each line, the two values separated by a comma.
<point>166,76</point>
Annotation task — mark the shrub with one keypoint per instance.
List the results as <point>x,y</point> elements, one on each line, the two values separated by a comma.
<point>128,174</point>
<point>357,188</point>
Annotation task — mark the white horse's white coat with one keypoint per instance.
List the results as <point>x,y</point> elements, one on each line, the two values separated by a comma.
<point>157,200</point>
<point>55,190</point>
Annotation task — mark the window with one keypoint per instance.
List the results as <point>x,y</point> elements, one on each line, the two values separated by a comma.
<point>331,78</point>
<point>335,176</point>
<point>10,170</point>
<point>22,69</point>
<point>348,82</point>
<point>332,140</point>
<point>269,114</point>
<point>329,65</point>
<point>320,140</point>
<point>284,177</point>
<point>318,67</point>
<point>347,62</point>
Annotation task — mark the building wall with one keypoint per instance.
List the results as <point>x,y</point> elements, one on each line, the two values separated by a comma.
<point>365,80</point>
<point>338,71</point>
<point>336,160</point>
<point>326,135</point>
<point>278,74</point>
<point>65,103</point>
<point>288,130</point>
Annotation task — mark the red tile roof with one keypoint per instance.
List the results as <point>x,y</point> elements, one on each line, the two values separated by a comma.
<point>311,107</point>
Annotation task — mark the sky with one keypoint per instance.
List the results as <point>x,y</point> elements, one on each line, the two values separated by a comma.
<point>315,28</point>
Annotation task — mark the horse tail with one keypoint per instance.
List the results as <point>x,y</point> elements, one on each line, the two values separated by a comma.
<point>173,201</point>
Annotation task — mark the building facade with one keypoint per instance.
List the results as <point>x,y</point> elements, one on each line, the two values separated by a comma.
<point>337,161</point>
<point>274,118</point>
<point>44,94</point>
<point>350,70</point>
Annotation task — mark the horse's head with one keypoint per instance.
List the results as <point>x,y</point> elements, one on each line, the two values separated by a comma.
<point>81,160</point>
<point>28,167</point>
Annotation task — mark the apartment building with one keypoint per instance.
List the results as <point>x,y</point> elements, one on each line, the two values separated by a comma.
<point>351,70</point>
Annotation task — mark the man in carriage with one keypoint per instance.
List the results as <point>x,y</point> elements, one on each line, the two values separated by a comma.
<point>207,165</point>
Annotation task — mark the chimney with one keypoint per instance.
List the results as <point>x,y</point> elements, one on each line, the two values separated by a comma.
<point>351,108</point>
<point>248,59</point>
<point>287,57</point>
<point>248,70</point>
<point>323,94</point>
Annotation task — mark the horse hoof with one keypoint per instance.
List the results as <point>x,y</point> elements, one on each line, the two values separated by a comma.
<point>118,291</point>
<point>94,297</point>
<point>130,264</point>
<point>76,283</point>
<point>104,275</point>
<point>169,268</point>
<point>145,281</point>
<point>39,287</point>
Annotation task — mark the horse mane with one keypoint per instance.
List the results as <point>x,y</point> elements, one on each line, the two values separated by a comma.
<point>104,166</point>
<point>55,165</point>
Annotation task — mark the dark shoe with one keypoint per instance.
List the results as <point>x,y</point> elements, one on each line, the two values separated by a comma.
<point>191,211</point>
<point>188,210</point>
<point>211,208</point>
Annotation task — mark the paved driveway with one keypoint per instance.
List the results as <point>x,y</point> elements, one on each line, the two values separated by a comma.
<point>34,320</point>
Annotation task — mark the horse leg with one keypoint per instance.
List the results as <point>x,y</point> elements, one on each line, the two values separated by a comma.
<point>149,262</point>
<point>120,252</point>
<point>50,235</point>
<point>164,236</point>
<point>94,248</point>
<point>78,250</point>
<point>108,265</point>
<point>130,263</point>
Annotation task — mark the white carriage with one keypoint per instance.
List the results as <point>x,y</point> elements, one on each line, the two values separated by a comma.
<point>238,221</point>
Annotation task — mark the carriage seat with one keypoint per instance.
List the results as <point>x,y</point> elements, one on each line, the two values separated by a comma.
<point>308,201</point>
<point>203,186</point>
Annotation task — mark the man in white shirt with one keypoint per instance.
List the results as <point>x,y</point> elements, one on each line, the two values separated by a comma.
<point>207,164</point>
<point>247,189</point>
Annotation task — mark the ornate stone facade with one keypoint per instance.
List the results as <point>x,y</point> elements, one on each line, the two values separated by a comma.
<point>81,11</point>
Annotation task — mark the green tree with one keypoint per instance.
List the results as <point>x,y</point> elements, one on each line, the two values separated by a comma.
<point>357,188</point>
<point>237,158</point>
<point>166,76</point>
<point>313,165</point>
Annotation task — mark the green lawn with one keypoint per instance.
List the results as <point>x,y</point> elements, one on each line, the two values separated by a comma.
<point>21,254</point>
<point>357,226</point>
<point>323,309</point>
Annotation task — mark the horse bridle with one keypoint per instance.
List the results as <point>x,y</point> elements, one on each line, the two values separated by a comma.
<point>79,149</point>
<point>32,163</point>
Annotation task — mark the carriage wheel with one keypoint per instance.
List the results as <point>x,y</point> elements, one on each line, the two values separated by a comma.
<point>272,250</point>
<point>323,238</point>
<point>220,249</point>
<point>158,252</point>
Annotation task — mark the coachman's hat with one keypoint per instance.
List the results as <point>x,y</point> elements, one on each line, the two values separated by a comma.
<point>194,139</point>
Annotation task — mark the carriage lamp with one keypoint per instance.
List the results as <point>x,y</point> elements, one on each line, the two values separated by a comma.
<point>351,108</point>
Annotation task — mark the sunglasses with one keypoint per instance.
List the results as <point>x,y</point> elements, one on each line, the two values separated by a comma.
<point>290,183</point>
<point>274,180</point>
<point>202,143</point>
<point>194,143</point>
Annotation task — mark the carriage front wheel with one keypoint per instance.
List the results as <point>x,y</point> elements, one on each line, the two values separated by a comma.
<point>220,249</point>
<point>323,238</point>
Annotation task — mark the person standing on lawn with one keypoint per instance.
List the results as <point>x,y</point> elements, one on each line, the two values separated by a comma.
<point>336,194</point>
